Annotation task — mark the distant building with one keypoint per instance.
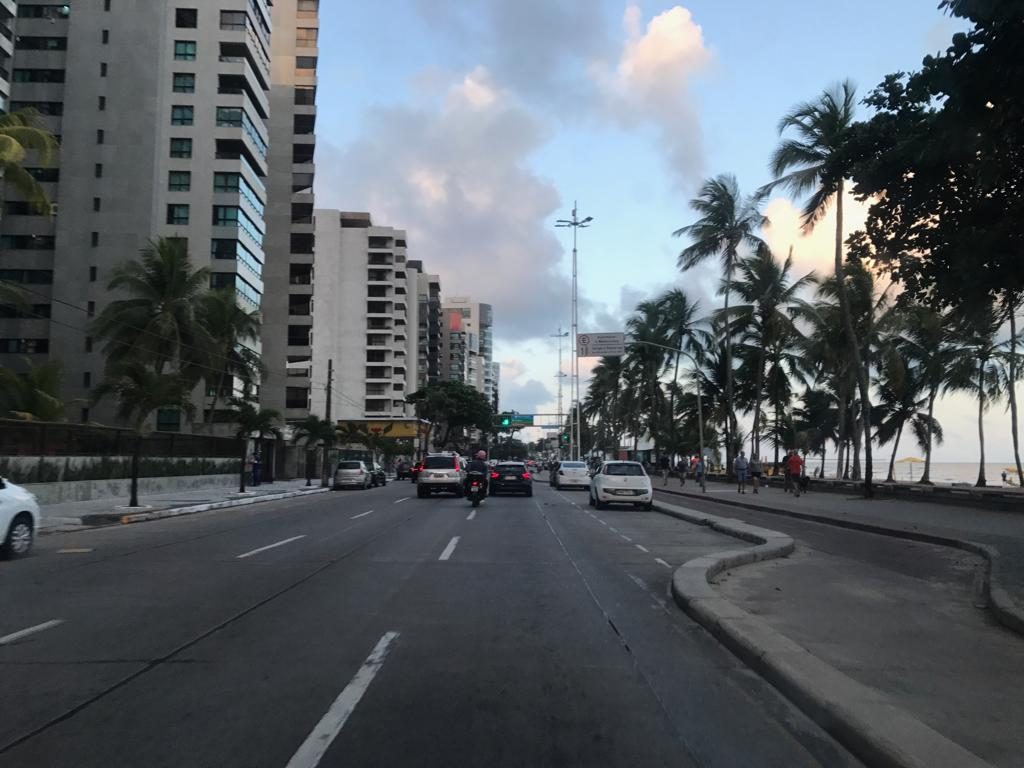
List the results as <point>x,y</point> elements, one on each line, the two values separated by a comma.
<point>8,14</point>
<point>428,367</point>
<point>476,329</point>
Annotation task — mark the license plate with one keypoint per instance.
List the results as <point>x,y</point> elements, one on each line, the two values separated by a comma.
<point>510,477</point>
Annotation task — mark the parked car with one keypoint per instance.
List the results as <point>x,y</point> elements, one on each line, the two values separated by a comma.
<point>414,471</point>
<point>378,476</point>
<point>441,472</point>
<point>403,470</point>
<point>570,474</point>
<point>19,520</point>
<point>352,474</point>
<point>511,477</point>
<point>621,482</point>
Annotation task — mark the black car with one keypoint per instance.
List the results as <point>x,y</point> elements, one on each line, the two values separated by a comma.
<point>377,475</point>
<point>403,470</point>
<point>511,477</point>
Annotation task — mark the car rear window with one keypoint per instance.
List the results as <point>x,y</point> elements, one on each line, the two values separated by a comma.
<point>350,465</point>
<point>624,469</point>
<point>512,467</point>
<point>439,462</point>
<point>573,465</point>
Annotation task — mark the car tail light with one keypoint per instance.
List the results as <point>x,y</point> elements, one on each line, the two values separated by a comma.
<point>494,475</point>
<point>526,475</point>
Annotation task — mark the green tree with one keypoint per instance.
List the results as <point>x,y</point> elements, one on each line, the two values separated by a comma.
<point>139,391</point>
<point>727,220</point>
<point>22,132</point>
<point>680,323</point>
<point>903,400</point>
<point>34,394</point>
<point>645,363</point>
<point>454,407</point>
<point>807,166</point>
<point>314,432</point>
<point>603,403</point>
<point>226,328</point>
<point>251,421</point>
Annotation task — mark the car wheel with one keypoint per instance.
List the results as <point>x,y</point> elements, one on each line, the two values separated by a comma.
<point>422,492</point>
<point>649,506</point>
<point>529,491</point>
<point>19,537</point>
<point>600,504</point>
<point>590,499</point>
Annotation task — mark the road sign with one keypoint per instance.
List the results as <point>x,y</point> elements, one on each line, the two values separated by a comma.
<point>522,420</point>
<point>600,344</point>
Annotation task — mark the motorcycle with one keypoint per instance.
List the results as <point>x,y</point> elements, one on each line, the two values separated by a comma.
<point>475,488</point>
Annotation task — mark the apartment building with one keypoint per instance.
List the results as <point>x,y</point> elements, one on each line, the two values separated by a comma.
<point>366,320</point>
<point>162,109</point>
<point>287,307</point>
<point>8,14</point>
<point>428,367</point>
<point>471,346</point>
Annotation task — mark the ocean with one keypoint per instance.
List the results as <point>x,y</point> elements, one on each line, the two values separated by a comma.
<point>943,472</point>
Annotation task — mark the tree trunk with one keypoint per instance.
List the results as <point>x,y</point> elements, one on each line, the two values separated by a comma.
<point>858,434</point>
<point>1013,389</point>
<point>309,467</point>
<point>926,478</point>
<point>777,435</point>
<point>241,472</point>
<point>730,417</point>
<point>755,438</point>
<point>216,397</point>
<point>136,457</point>
<point>324,466</point>
<point>672,398</point>
<point>892,459</point>
<point>841,407</point>
<point>851,336</point>
<point>824,450</point>
<point>981,424</point>
<point>846,466</point>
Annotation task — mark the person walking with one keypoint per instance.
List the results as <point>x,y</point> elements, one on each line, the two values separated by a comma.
<point>755,472</point>
<point>698,471</point>
<point>681,469</point>
<point>663,466</point>
<point>787,478</point>
<point>741,466</point>
<point>795,467</point>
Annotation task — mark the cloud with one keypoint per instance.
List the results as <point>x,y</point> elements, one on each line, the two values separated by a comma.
<point>530,396</point>
<point>454,172</point>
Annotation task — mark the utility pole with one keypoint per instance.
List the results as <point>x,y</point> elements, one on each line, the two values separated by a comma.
<point>575,435</point>
<point>325,470</point>
<point>561,375</point>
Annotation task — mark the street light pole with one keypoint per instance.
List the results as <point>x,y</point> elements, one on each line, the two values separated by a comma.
<point>575,434</point>
<point>561,375</point>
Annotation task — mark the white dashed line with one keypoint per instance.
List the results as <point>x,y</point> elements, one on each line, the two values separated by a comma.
<point>659,560</point>
<point>404,498</point>
<point>364,514</point>
<point>326,731</point>
<point>626,537</point>
<point>602,522</point>
<point>22,633</point>
<point>613,530</point>
<point>271,546</point>
<point>641,547</point>
<point>450,548</point>
<point>471,515</point>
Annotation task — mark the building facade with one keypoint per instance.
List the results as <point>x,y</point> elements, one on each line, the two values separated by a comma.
<point>428,366</point>
<point>288,306</point>
<point>162,114</point>
<point>8,15</point>
<point>362,321</point>
<point>476,337</point>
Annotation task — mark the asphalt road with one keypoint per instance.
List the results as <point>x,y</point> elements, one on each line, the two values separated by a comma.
<point>377,629</point>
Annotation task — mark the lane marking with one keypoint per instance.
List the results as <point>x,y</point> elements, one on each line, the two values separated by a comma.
<point>659,560</point>
<point>602,522</point>
<point>613,530</point>
<point>75,550</point>
<point>15,636</point>
<point>271,546</point>
<point>364,514</point>
<point>641,547</point>
<point>450,548</point>
<point>626,537</point>
<point>326,731</point>
<point>471,515</point>
<point>404,498</point>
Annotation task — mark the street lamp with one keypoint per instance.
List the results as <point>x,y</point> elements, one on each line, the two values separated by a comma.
<point>561,375</point>
<point>575,437</point>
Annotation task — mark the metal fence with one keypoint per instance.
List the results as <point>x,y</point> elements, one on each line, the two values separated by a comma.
<point>29,438</point>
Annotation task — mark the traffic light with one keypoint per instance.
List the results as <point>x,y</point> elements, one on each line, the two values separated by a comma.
<point>506,420</point>
<point>565,438</point>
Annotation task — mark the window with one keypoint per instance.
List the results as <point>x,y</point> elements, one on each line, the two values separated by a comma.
<point>85,415</point>
<point>627,470</point>
<point>52,108</point>
<point>51,12</point>
<point>98,171</point>
<point>106,5</point>
<point>177,214</point>
<point>305,96</point>
<point>298,335</point>
<point>185,50</point>
<point>179,181</point>
<point>307,8</point>
<point>187,18</point>
<point>300,305</point>
<point>92,274</point>
<point>182,115</point>
<point>305,62</point>
<point>103,69</point>
<point>105,37</point>
<point>87,379</point>
<point>27,276</point>
<point>100,136</point>
<point>181,148</point>
<point>38,76</point>
<point>101,103</point>
<point>232,20</point>
<point>26,243</point>
<point>97,204</point>
<point>229,117</point>
<point>306,37</point>
<point>94,239</point>
<point>296,397</point>
<point>90,309</point>
<point>226,182</point>
<point>25,346</point>
<point>88,343</point>
<point>27,43</point>
<point>168,420</point>
<point>184,82</point>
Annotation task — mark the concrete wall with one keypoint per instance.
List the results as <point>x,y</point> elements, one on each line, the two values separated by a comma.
<point>86,490</point>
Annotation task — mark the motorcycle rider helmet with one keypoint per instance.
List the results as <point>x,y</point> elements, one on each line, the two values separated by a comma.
<point>481,455</point>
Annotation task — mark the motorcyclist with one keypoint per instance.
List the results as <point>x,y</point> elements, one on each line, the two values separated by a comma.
<point>478,464</point>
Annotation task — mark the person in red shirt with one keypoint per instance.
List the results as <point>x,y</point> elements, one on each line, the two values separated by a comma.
<point>795,465</point>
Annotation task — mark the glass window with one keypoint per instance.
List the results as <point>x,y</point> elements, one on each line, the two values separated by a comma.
<point>168,420</point>
<point>185,50</point>
<point>305,62</point>
<point>306,37</point>
<point>627,470</point>
<point>179,181</point>
<point>181,148</point>
<point>182,115</point>
<point>305,96</point>
<point>184,82</point>
<point>187,18</point>
<point>177,214</point>
<point>232,20</point>
<point>226,182</point>
<point>229,117</point>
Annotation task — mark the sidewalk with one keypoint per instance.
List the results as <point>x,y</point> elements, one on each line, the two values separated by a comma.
<point>1002,530</point>
<point>68,515</point>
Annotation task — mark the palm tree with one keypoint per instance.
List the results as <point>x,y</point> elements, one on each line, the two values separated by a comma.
<point>804,165</point>
<point>679,324</point>
<point>34,394</point>
<point>818,417</point>
<point>312,432</point>
<point>603,402</point>
<point>22,132</point>
<point>727,221</point>
<point>139,391</point>
<point>1011,305</point>
<point>902,394</point>
<point>227,327</point>
<point>765,320</point>
<point>159,321</point>
<point>645,360</point>
<point>251,420</point>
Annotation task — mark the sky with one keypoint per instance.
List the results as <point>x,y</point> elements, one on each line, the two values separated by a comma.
<point>476,125</point>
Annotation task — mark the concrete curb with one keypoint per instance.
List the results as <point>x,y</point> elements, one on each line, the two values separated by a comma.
<point>860,718</point>
<point>143,517</point>
<point>994,596</point>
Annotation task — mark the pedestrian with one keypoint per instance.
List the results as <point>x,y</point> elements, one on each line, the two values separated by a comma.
<point>787,478</point>
<point>681,469</point>
<point>256,467</point>
<point>755,472</point>
<point>741,466</point>
<point>795,465</point>
<point>663,465</point>
<point>698,471</point>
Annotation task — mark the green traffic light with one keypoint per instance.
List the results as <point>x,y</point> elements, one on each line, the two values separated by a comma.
<point>506,421</point>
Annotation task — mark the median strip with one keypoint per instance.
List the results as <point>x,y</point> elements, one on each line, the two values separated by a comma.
<point>271,546</point>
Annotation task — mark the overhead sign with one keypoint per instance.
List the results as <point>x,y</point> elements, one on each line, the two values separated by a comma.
<point>515,420</point>
<point>600,344</point>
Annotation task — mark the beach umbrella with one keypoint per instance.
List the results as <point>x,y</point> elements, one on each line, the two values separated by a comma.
<point>911,460</point>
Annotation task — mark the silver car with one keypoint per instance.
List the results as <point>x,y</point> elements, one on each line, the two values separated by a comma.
<point>352,474</point>
<point>570,474</point>
<point>19,520</point>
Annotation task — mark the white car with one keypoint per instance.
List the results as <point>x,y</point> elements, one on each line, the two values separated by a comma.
<point>570,474</point>
<point>441,472</point>
<point>621,482</point>
<point>19,520</point>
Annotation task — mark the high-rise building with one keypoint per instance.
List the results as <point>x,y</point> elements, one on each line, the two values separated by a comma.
<point>454,346</point>
<point>477,330</point>
<point>8,13</point>
<point>362,321</point>
<point>287,307</point>
<point>162,112</point>
<point>428,367</point>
